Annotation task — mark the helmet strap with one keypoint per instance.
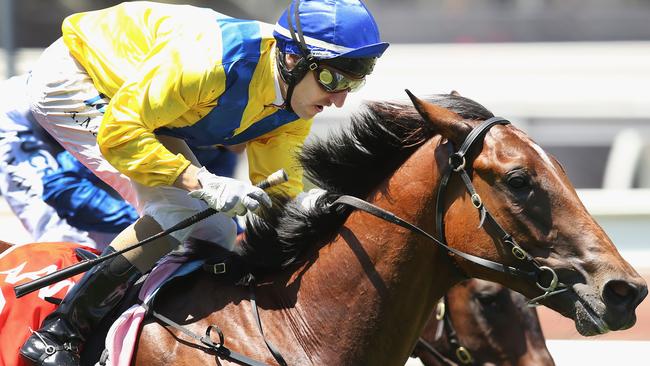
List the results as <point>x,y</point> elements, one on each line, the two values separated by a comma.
<point>306,63</point>
<point>293,76</point>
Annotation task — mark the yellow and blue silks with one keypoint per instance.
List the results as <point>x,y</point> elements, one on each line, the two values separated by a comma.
<point>186,72</point>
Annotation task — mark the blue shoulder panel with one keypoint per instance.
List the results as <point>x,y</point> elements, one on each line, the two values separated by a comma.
<point>241,53</point>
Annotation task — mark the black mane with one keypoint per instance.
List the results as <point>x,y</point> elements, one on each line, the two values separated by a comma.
<point>353,161</point>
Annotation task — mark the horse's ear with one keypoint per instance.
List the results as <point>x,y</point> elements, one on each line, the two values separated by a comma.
<point>448,123</point>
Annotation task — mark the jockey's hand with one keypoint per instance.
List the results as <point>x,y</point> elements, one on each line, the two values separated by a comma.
<point>229,196</point>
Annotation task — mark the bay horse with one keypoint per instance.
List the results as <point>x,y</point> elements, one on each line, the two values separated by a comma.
<point>482,323</point>
<point>338,286</point>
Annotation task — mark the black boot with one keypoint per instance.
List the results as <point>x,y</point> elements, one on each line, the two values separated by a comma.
<point>63,332</point>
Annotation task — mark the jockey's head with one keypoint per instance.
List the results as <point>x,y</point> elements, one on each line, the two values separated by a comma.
<point>338,40</point>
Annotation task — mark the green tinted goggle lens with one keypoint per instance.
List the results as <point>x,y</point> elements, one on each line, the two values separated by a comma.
<point>334,81</point>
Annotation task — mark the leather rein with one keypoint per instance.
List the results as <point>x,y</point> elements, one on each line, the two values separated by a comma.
<point>457,164</point>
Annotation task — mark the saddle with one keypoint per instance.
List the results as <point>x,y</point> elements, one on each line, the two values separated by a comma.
<point>117,335</point>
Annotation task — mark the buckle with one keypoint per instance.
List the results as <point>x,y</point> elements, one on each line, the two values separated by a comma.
<point>219,268</point>
<point>464,356</point>
<point>476,200</point>
<point>554,280</point>
<point>50,350</point>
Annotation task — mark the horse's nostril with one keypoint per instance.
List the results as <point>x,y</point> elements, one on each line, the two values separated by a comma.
<point>620,293</point>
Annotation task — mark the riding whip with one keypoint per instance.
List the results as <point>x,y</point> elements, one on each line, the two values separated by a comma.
<point>21,290</point>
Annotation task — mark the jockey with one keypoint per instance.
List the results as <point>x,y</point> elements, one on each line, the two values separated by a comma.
<point>128,88</point>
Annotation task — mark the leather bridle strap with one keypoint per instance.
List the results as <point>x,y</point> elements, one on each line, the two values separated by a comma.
<point>446,325</point>
<point>462,354</point>
<point>390,217</point>
<point>457,164</point>
<point>274,351</point>
<point>434,352</point>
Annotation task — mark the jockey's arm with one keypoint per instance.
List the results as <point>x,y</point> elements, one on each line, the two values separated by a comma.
<point>167,91</point>
<point>188,180</point>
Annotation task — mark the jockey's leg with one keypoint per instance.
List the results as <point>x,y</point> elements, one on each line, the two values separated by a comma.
<point>60,339</point>
<point>147,255</point>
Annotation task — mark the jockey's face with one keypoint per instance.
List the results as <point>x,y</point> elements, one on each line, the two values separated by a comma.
<point>309,98</point>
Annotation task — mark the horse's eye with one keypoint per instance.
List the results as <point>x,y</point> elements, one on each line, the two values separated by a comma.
<point>487,300</point>
<point>517,180</point>
<point>490,301</point>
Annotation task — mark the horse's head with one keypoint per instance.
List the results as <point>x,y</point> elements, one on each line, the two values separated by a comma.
<point>486,323</point>
<point>524,192</point>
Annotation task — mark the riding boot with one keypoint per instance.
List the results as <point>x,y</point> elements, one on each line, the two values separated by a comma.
<point>60,339</point>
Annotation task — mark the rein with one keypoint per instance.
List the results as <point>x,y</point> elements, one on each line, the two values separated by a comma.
<point>457,162</point>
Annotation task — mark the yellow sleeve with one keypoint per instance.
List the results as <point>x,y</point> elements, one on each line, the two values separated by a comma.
<point>172,87</point>
<point>278,149</point>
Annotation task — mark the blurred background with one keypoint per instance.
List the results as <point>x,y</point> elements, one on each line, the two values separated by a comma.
<point>574,74</point>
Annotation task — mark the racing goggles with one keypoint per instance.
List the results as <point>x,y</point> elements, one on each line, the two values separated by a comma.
<point>334,81</point>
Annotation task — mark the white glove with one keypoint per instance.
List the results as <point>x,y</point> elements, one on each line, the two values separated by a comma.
<point>308,199</point>
<point>229,196</point>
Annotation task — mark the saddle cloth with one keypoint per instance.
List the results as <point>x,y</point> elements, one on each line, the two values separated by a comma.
<point>20,264</point>
<point>18,317</point>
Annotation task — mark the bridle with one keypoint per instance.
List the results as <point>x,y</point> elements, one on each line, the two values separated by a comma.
<point>457,164</point>
<point>462,354</point>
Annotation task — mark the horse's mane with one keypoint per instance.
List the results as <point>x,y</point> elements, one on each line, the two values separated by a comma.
<point>353,161</point>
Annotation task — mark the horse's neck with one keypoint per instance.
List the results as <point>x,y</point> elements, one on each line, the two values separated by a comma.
<point>369,293</point>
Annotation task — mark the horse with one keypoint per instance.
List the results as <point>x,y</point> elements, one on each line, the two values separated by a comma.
<point>452,192</point>
<point>356,289</point>
<point>482,323</point>
<point>475,323</point>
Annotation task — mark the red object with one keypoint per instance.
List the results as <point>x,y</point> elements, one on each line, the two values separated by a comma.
<point>21,264</point>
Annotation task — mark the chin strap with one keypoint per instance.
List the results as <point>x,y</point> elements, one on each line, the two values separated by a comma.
<point>292,77</point>
<point>306,63</point>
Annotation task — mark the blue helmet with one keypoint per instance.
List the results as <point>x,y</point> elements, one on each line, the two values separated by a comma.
<point>328,29</point>
<point>339,33</point>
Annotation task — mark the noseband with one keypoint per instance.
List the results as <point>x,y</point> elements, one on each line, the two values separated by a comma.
<point>457,164</point>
